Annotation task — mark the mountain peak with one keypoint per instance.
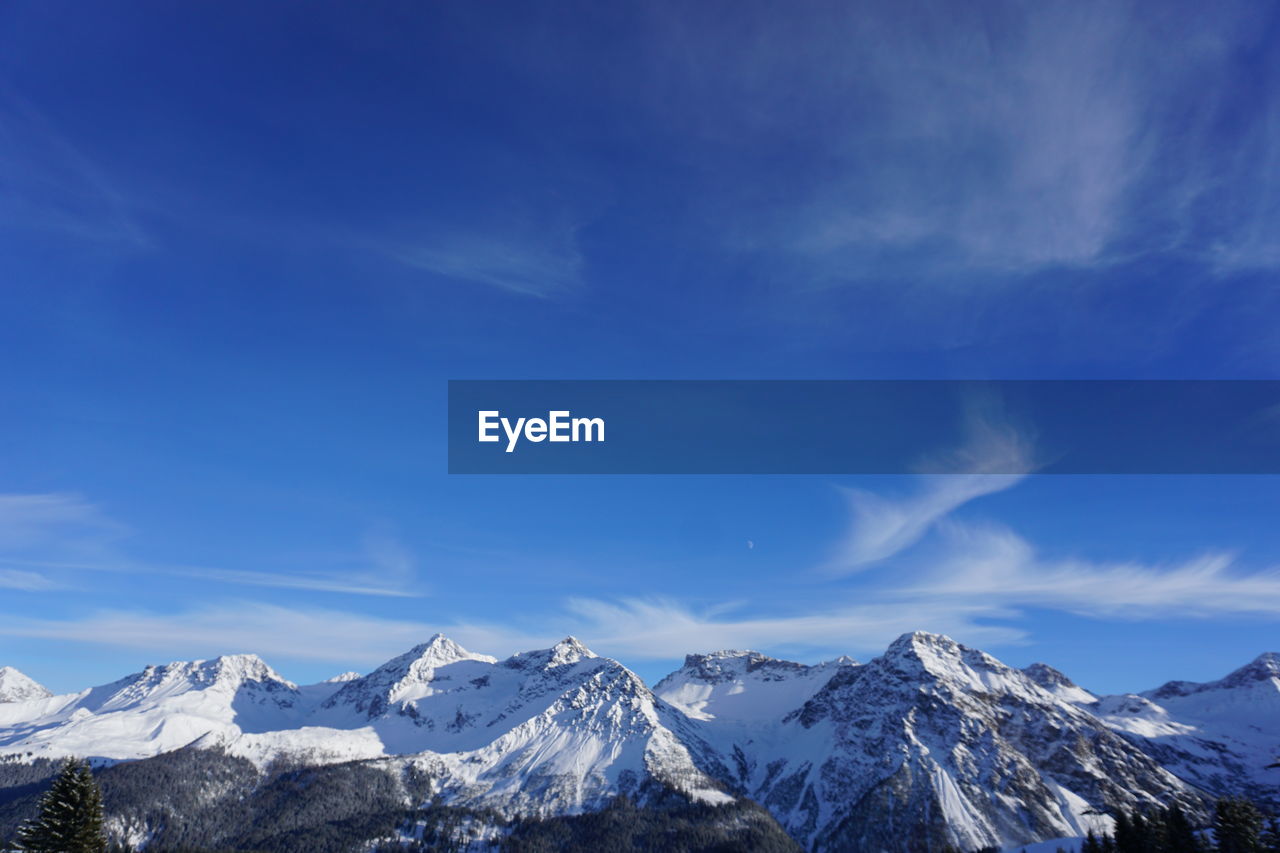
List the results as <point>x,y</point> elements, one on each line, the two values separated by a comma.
<point>570,650</point>
<point>729,664</point>
<point>1047,676</point>
<point>420,662</point>
<point>922,645</point>
<point>1264,667</point>
<point>404,678</point>
<point>18,687</point>
<point>439,651</point>
<point>226,673</point>
<point>342,678</point>
<point>1058,684</point>
<point>245,666</point>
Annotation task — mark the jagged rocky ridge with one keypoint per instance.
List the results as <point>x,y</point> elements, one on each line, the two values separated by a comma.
<point>931,744</point>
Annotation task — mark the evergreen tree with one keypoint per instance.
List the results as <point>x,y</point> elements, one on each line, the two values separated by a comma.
<point>1142,837</point>
<point>70,819</point>
<point>1271,837</point>
<point>1237,826</point>
<point>1180,835</point>
<point>1127,838</point>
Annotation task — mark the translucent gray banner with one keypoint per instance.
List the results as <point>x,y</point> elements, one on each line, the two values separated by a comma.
<point>863,427</point>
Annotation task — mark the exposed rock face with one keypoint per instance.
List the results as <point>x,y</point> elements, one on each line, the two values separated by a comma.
<point>946,739</point>
<point>930,744</point>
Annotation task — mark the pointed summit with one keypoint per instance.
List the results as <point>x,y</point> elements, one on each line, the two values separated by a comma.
<point>1058,684</point>
<point>1047,676</point>
<point>403,678</point>
<point>1264,667</point>
<point>568,651</point>
<point>342,678</point>
<point>438,651</point>
<point>921,648</point>
<point>17,687</point>
<point>420,663</point>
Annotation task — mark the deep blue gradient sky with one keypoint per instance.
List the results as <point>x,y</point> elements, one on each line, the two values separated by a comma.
<point>243,247</point>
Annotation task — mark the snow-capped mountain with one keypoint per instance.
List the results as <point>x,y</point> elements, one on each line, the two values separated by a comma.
<point>947,740</point>
<point>743,686</point>
<point>159,709</point>
<point>932,740</point>
<point>1222,735</point>
<point>399,683</point>
<point>1058,684</point>
<point>543,732</point>
<point>16,687</point>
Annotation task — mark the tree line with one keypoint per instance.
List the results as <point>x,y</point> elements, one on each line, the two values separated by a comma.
<point>70,820</point>
<point>1238,827</point>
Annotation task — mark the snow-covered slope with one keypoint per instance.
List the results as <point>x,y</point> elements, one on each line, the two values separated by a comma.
<point>16,687</point>
<point>1222,735</point>
<point>743,686</point>
<point>157,710</point>
<point>948,740</point>
<point>932,738</point>
<point>549,731</point>
<point>1058,684</point>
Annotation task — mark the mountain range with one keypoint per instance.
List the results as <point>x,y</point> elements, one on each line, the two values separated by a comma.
<point>931,745</point>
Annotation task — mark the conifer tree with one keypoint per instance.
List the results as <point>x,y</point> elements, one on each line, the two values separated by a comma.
<point>1180,835</point>
<point>1126,835</point>
<point>1237,826</point>
<point>70,819</point>
<point>1271,836</point>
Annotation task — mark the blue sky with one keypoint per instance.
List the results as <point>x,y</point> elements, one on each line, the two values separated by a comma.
<point>243,247</point>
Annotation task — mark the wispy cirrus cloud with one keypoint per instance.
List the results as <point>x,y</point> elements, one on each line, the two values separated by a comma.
<point>993,564</point>
<point>66,520</point>
<point>1004,138</point>
<point>628,629</point>
<point>233,627</point>
<point>60,534</point>
<point>51,184</point>
<point>25,581</point>
<point>995,456</point>
<point>543,264</point>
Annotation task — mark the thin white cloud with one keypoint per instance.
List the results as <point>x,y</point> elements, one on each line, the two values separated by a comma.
<point>882,527</point>
<point>1002,138</point>
<point>995,565</point>
<point>66,522</point>
<point>647,629</point>
<point>243,626</point>
<point>340,582</point>
<point>336,582</point>
<point>995,457</point>
<point>630,630</point>
<point>65,533</point>
<point>51,184</point>
<point>25,581</point>
<point>541,266</point>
